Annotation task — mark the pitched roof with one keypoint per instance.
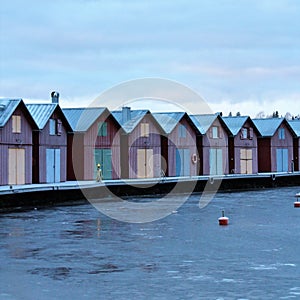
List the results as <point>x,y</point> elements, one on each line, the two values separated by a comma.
<point>168,120</point>
<point>235,124</point>
<point>295,125</point>
<point>135,117</point>
<point>81,119</point>
<point>203,122</point>
<point>267,127</point>
<point>41,113</point>
<point>7,108</point>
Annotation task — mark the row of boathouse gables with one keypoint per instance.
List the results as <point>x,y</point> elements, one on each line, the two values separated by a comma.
<point>44,143</point>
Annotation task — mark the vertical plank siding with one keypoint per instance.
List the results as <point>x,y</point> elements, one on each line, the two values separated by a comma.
<point>188,142</point>
<point>286,143</point>
<point>84,145</point>
<point>136,141</point>
<point>46,141</point>
<point>239,144</point>
<point>220,143</point>
<point>22,140</point>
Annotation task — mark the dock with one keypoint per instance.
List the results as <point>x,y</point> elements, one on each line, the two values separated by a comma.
<point>15,197</point>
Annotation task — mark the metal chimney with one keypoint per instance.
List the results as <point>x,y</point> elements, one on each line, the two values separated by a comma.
<point>125,114</point>
<point>55,97</point>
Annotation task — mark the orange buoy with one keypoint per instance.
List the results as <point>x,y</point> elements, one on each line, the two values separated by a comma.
<point>224,220</point>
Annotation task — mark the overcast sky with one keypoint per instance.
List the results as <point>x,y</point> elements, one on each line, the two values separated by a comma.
<point>241,55</point>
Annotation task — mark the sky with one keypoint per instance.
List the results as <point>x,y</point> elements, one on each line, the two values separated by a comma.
<point>237,55</point>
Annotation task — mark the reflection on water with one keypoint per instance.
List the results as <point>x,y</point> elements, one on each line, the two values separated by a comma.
<point>79,253</point>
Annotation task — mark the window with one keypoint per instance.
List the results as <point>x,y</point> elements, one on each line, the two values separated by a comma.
<point>102,129</point>
<point>244,133</point>
<point>182,131</point>
<point>281,134</point>
<point>59,127</point>
<point>16,124</point>
<point>52,128</point>
<point>215,132</point>
<point>144,129</point>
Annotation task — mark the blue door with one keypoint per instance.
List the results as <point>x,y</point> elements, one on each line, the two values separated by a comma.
<point>215,161</point>
<point>282,161</point>
<point>183,159</point>
<point>52,165</point>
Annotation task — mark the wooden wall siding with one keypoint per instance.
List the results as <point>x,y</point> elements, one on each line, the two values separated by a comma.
<point>297,154</point>
<point>53,140</point>
<point>4,163</point>
<point>135,141</point>
<point>276,143</point>
<point>84,145</point>
<point>189,142</point>
<point>47,141</point>
<point>76,157</point>
<point>43,162</point>
<point>21,140</point>
<point>244,144</point>
<point>220,143</point>
<point>264,154</point>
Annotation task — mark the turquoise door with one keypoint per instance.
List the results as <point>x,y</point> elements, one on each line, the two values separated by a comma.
<point>103,157</point>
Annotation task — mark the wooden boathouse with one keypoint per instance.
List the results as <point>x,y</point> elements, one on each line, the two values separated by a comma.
<point>275,145</point>
<point>95,140</point>
<point>49,142</point>
<point>179,144</point>
<point>16,126</point>
<point>140,143</point>
<point>214,146</point>
<point>295,125</point>
<point>242,145</point>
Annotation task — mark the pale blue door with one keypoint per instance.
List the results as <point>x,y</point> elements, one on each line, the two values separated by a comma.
<point>52,165</point>
<point>282,160</point>
<point>215,162</point>
<point>183,159</point>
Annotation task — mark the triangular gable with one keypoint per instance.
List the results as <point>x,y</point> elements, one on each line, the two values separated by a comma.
<point>234,124</point>
<point>81,119</point>
<point>268,127</point>
<point>8,107</point>
<point>295,125</point>
<point>168,120</point>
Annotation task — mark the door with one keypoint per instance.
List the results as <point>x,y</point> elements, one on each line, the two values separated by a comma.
<point>144,163</point>
<point>52,165</point>
<point>104,158</point>
<point>216,161</point>
<point>183,161</point>
<point>246,161</point>
<point>282,161</point>
<point>16,166</point>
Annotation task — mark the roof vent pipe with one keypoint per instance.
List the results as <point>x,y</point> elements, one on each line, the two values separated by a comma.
<point>125,114</point>
<point>55,97</point>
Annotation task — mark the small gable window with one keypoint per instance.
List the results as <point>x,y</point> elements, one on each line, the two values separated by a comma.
<point>244,133</point>
<point>58,127</point>
<point>52,125</point>
<point>215,132</point>
<point>144,129</point>
<point>182,131</point>
<point>16,124</point>
<point>102,129</point>
<point>281,134</point>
